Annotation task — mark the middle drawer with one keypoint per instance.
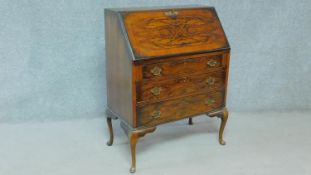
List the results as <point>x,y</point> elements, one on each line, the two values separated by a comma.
<point>179,86</point>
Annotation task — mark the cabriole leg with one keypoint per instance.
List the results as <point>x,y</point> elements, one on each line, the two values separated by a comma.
<point>109,117</point>
<point>223,115</point>
<point>190,121</point>
<point>110,141</point>
<point>133,140</point>
<point>223,118</point>
<point>134,135</point>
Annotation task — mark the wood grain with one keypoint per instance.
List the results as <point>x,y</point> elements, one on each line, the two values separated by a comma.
<point>181,86</point>
<point>164,65</point>
<point>118,69</point>
<point>183,65</point>
<point>157,33</point>
<point>173,110</point>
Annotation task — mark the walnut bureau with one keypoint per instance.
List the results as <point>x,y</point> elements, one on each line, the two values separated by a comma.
<point>164,65</point>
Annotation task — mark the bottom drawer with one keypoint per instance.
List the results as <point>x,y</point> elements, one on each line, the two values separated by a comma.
<point>171,110</point>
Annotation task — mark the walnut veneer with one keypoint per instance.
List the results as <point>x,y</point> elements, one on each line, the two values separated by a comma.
<point>164,65</point>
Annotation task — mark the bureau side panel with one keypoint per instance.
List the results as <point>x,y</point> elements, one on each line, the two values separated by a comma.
<point>118,69</point>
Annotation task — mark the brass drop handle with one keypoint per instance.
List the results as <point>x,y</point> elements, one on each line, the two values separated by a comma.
<point>210,81</point>
<point>156,71</point>
<point>156,114</point>
<point>211,63</point>
<point>171,13</point>
<point>209,101</point>
<point>156,91</point>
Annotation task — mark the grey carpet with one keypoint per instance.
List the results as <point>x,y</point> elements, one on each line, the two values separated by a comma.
<point>261,144</point>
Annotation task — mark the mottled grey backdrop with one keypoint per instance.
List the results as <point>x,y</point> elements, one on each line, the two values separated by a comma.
<point>52,63</point>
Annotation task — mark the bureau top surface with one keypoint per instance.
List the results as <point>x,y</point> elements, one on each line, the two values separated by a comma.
<point>169,31</point>
<point>150,8</point>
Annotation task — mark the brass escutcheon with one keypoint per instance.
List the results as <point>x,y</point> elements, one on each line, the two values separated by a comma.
<point>171,13</point>
<point>156,114</point>
<point>209,101</point>
<point>210,81</point>
<point>156,71</point>
<point>156,90</point>
<point>211,63</point>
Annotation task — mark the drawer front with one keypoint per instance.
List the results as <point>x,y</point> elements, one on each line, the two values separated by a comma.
<point>182,66</point>
<point>180,86</point>
<point>153,114</point>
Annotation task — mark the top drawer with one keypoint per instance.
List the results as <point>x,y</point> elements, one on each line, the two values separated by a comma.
<point>194,64</point>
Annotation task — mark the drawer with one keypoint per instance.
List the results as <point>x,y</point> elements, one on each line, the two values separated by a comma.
<point>171,110</point>
<point>180,86</point>
<point>183,65</point>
